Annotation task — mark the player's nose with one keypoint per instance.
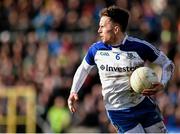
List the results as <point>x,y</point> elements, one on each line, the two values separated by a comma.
<point>99,30</point>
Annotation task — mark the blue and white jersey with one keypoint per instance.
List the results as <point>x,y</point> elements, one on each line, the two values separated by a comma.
<point>115,65</point>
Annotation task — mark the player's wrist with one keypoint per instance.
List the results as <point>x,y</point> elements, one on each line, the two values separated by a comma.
<point>160,87</point>
<point>73,92</point>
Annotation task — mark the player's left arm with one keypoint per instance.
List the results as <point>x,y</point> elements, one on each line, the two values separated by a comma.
<point>167,71</point>
<point>167,67</point>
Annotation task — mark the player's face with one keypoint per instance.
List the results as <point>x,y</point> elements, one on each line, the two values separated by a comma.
<point>106,30</point>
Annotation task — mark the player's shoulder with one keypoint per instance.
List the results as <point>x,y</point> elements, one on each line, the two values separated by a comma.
<point>143,48</point>
<point>94,48</point>
<point>138,41</point>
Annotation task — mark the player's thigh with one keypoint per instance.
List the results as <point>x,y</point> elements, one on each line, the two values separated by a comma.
<point>137,129</point>
<point>122,120</point>
<point>156,128</point>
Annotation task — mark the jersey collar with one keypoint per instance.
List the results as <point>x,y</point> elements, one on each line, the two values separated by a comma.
<point>121,43</point>
<point>124,40</point>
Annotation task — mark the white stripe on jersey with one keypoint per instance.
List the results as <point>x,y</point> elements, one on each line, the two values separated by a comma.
<point>144,42</point>
<point>167,67</point>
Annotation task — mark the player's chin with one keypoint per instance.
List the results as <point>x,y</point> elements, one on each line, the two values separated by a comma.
<point>105,41</point>
<point>102,39</point>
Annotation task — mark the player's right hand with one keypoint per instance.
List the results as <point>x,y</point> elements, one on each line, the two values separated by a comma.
<point>73,97</point>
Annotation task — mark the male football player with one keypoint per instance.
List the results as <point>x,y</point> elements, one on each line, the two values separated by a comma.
<point>116,56</point>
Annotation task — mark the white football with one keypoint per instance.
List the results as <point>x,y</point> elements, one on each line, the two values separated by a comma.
<point>142,78</point>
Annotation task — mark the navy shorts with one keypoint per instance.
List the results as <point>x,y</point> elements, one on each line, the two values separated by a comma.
<point>146,113</point>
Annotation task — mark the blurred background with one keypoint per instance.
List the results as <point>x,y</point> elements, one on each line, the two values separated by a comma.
<point>42,42</point>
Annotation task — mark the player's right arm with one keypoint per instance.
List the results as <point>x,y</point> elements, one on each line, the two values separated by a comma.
<point>78,80</point>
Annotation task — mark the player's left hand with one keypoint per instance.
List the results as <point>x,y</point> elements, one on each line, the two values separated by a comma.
<point>155,88</point>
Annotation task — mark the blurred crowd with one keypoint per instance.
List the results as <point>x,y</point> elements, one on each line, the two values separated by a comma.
<point>42,42</point>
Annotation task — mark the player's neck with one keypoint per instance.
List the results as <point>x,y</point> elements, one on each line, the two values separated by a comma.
<point>119,39</point>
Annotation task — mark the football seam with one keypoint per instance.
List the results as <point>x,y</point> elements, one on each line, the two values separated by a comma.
<point>141,81</point>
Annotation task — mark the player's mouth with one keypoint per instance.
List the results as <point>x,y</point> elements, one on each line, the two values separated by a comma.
<point>101,36</point>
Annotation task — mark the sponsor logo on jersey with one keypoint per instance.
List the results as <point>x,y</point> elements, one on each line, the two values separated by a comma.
<point>104,53</point>
<point>102,67</point>
<point>130,56</point>
<point>118,69</point>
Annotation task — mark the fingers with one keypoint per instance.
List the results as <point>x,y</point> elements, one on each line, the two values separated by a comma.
<point>148,93</point>
<point>151,91</point>
<point>71,102</point>
<point>71,106</point>
<point>156,87</point>
<point>158,84</point>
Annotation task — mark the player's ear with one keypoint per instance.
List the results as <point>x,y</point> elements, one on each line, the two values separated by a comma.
<point>116,29</point>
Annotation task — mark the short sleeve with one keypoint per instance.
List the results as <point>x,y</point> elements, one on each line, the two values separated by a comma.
<point>90,55</point>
